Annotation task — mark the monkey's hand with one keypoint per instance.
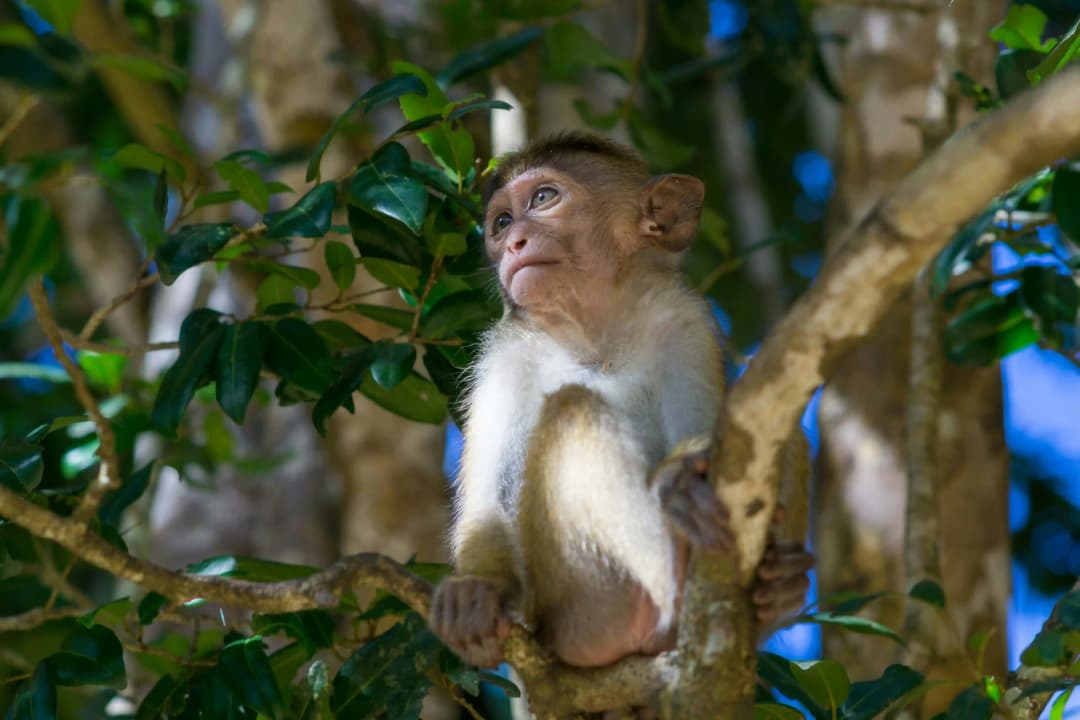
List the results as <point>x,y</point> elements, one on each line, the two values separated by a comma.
<point>468,614</point>
<point>688,500</point>
<point>781,583</point>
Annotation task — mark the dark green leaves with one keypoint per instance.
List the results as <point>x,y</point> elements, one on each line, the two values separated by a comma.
<point>248,675</point>
<point>313,628</point>
<point>872,698</point>
<point>971,704</point>
<point>859,625</point>
<point>388,675</point>
<point>310,217</point>
<point>1065,200</point>
<point>391,362</point>
<point>30,246</point>
<point>122,498</point>
<point>386,186</point>
<point>341,263</point>
<point>460,313</point>
<point>239,360</point>
<point>929,592</point>
<point>248,184</point>
<point>200,335</point>
<point>395,87</point>
<point>299,356</point>
<point>477,59</point>
<point>89,656</point>
<point>988,329</point>
<point>1069,610</point>
<point>189,246</point>
<point>825,681</point>
<point>20,466</point>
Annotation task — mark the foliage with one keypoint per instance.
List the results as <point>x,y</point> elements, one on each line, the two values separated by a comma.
<point>411,223</point>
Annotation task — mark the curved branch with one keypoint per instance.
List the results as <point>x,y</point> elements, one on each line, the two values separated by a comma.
<point>875,262</point>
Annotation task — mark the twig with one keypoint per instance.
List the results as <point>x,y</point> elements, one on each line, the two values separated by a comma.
<point>433,276</point>
<point>108,477</point>
<point>26,104</point>
<point>32,618</point>
<point>130,351</point>
<point>102,313</point>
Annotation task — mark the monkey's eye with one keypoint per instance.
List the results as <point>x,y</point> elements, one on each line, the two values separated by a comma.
<point>543,196</point>
<point>502,222</point>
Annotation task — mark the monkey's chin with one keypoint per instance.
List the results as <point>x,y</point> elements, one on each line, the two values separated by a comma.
<point>534,286</point>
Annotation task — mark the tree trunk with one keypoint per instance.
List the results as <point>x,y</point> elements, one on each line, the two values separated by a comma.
<point>860,495</point>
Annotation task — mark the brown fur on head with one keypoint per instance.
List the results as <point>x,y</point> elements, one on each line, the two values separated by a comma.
<point>568,151</point>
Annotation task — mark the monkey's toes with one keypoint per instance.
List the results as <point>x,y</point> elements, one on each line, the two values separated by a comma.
<point>694,511</point>
<point>467,615</point>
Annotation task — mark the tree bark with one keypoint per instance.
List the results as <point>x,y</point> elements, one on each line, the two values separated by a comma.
<point>860,496</point>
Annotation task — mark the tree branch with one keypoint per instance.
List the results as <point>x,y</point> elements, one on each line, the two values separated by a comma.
<point>108,476</point>
<point>875,262</point>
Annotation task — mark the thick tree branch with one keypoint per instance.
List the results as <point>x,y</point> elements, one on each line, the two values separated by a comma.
<point>874,263</point>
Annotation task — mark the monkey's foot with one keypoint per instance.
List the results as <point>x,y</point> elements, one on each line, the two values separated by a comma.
<point>782,582</point>
<point>692,508</point>
<point>467,614</point>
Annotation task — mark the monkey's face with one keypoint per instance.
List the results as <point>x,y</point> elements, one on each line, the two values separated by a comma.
<point>549,237</point>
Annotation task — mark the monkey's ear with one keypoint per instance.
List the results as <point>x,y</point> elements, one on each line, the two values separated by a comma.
<point>671,210</point>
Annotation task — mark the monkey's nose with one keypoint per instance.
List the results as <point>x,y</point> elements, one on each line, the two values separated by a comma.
<point>519,243</point>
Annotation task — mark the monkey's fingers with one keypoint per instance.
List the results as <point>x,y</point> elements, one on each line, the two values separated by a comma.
<point>777,565</point>
<point>696,514</point>
<point>779,599</point>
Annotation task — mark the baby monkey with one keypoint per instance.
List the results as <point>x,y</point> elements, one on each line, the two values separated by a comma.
<point>603,363</point>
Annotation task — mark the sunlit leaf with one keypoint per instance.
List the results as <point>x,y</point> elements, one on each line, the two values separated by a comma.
<point>245,181</point>
<point>1022,29</point>
<point>452,148</point>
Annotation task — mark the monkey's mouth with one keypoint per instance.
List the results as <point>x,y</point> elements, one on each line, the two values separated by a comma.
<point>523,263</point>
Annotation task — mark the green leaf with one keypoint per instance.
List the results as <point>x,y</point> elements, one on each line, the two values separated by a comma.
<point>30,247</point>
<point>276,292</point>
<point>378,236</point>
<point>825,681</point>
<point>112,612</point>
<point>21,466</point>
<point>247,568</point>
<point>658,148</point>
<point>928,592</point>
<point>971,704</point>
<point>596,120</point>
<point>777,672</point>
<point>339,393</point>
<point>157,702</point>
<point>387,675</point>
<point>1012,71</point>
<point>239,361</point>
<point>510,689</point>
<point>149,607</point>
<point>245,181</point>
<point>189,246</point>
<point>414,398</point>
<point>461,111</point>
<point>119,500</point>
<point>296,275</point>
<point>103,370</point>
<point>1069,610</point>
<point>570,48</point>
<point>33,371</point>
<point>313,628</point>
<point>1046,650</point>
<point>1057,710</point>
<point>1065,200</point>
<point>852,623</point>
<point>394,317</point>
<point>17,35</point>
<point>385,185</point>
<point>299,356</point>
<point>957,256</point>
<point>90,656</point>
<point>310,217</point>
<point>1022,29</point>
<point>391,362</point>
<point>457,314</point>
<point>338,335</point>
<point>249,676</point>
<point>452,148</point>
<point>486,55</point>
<point>341,263</point>
<point>141,67</point>
<point>38,700</point>
<point>447,244</point>
<point>215,197</point>
<point>988,329</point>
<point>775,711</point>
<point>393,274</point>
<point>200,335</point>
<point>161,197</point>
<point>178,141</point>
<point>871,698</point>
<point>140,157</point>
<point>395,87</point>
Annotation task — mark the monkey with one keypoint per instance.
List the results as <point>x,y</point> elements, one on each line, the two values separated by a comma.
<point>567,516</point>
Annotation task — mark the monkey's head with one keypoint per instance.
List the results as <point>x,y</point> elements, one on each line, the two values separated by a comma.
<point>571,215</point>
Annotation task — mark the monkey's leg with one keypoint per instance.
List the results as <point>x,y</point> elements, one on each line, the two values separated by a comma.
<point>600,563</point>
